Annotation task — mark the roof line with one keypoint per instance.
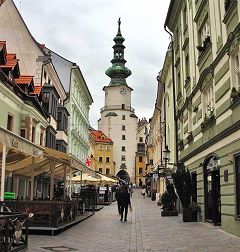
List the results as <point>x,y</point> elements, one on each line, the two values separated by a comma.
<point>34,40</point>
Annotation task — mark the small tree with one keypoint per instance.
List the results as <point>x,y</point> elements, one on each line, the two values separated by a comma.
<point>183,184</point>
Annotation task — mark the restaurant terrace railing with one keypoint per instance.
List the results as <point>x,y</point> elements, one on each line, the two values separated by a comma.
<point>12,235</point>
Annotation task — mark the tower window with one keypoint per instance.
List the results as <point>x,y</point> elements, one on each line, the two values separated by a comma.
<point>123,106</point>
<point>10,122</point>
<point>123,117</point>
<point>123,127</point>
<point>123,137</point>
<point>123,148</point>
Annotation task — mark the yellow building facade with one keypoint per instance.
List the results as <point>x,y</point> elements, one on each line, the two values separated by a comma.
<point>101,153</point>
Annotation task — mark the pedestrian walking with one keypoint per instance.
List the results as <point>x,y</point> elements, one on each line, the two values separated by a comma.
<point>143,192</point>
<point>117,198</point>
<point>124,201</point>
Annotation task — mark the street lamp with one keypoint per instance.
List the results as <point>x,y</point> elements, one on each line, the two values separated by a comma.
<point>166,154</point>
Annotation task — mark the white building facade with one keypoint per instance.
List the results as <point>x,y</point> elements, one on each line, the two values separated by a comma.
<point>118,120</point>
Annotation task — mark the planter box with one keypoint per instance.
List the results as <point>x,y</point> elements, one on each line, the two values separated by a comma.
<point>189,215</point>
<point>170,213</point>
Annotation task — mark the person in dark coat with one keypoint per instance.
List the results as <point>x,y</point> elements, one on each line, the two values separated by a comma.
<point>124,201</point>
<point>117,198</point>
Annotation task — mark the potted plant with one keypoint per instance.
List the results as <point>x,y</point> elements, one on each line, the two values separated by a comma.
<point>169,200</point>
<point>183,184</point>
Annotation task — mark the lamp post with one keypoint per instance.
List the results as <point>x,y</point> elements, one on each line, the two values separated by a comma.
<point>166,154</point>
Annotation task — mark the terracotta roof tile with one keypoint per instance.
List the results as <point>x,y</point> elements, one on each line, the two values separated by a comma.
<point>11,61</point>
<point>24,80</point>
<point>99,136</point>
<point>37,90</point>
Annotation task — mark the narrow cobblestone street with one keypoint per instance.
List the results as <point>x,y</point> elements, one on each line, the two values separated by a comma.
<point>145,230</point>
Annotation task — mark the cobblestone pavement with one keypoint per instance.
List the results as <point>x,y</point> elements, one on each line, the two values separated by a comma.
<point>145,231</point>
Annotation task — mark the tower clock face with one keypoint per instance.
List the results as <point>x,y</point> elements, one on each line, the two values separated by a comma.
<point>123,91</point>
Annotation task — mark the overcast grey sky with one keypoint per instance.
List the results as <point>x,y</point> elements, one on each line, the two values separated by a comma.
<point>83,31</point>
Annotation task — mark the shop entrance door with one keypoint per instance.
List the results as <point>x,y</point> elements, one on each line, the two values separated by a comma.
<point>213,197</point>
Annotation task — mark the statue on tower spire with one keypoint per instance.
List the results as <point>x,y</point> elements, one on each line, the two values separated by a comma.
<point>119,24</point>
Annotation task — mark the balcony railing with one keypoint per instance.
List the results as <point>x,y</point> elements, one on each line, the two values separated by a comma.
<point>114,107</point>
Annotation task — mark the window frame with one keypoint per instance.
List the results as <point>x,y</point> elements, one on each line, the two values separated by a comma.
<point>208,100</point>
<point>11,122</point>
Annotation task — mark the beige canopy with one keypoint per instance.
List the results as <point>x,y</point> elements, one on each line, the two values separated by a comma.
<point>25,158</point>
<point>106,180</point>
<point>85,179</point>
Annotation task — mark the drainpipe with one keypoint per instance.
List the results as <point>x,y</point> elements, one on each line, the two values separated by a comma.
<point>174,96</point>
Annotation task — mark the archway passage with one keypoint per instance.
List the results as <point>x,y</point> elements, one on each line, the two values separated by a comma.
<point>212,189</point>
<point>124,176</point>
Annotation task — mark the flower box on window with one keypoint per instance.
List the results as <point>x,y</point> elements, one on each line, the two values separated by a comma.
<point>209,121</point>
<point>190,137</point>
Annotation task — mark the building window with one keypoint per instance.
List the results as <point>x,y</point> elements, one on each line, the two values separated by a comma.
<point>58,147</point>
<point>107,159</point>
<point>185,22</point>
<point>123,148</point>
<point>123,127</point>
<point>44,75</point>
<point>107,171</point>
<point>237,170</point>
<point>123,137</point>
<point>41,139</point>
<point>33,134</point>
<point>123,117</point>
<point>236,78</point>
<point>187,66</point>
<point>141,148</point>
<point>100,159</point>
<point>123,158</point>
<point>107,147</point>
<point>140,158</point>
<point>100,147</point>
<point>10,122</point>
<point>123,106</point>
<point>100,170</point>
<point>204,34</point>
<point>208,101</point>
<point>141,139</point>
<point>151,161</point>
<point>140,170</point>
<point>23,133</point>
<point>179,83</point>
